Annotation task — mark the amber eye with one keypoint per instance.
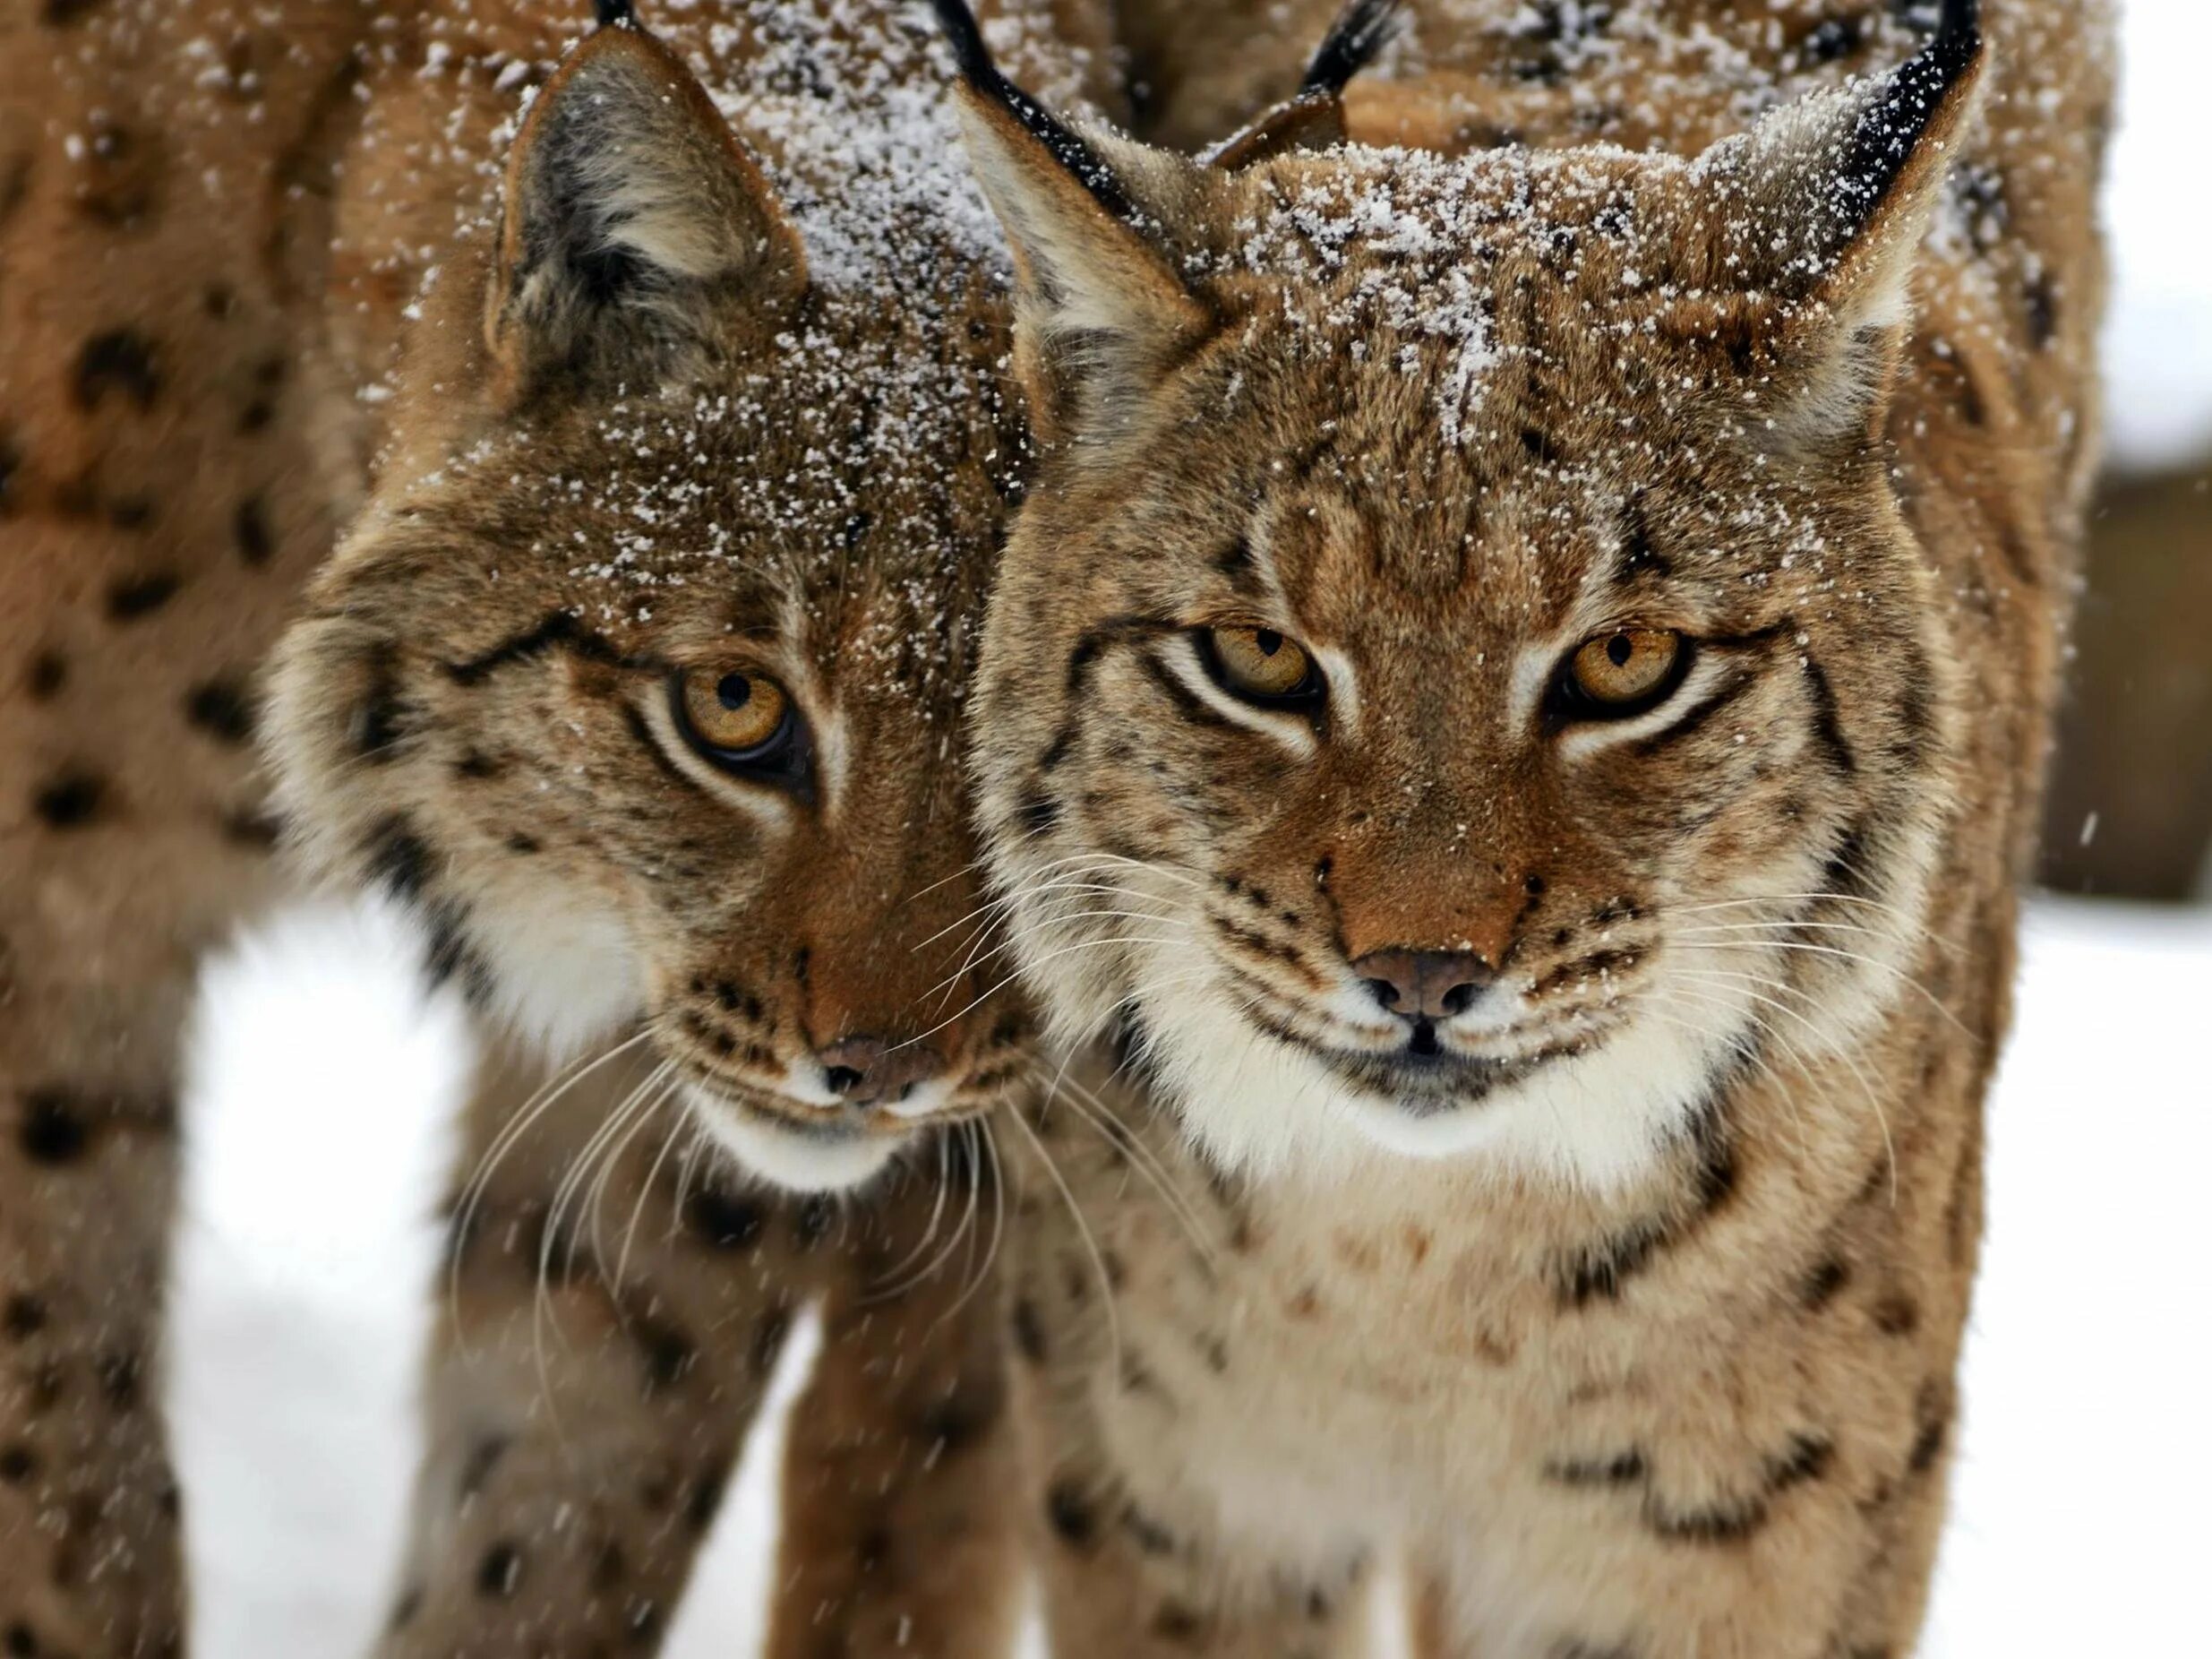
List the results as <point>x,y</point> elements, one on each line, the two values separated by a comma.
<point>737,716</point>
<point>1260,665</point>
<point>1625,672</point>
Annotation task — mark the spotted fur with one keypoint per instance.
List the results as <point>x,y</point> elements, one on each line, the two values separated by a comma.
<point>605,375</point>
<point>1623,1288</point>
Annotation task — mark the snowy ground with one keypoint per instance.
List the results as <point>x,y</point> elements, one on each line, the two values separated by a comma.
<point>2077,1528</point>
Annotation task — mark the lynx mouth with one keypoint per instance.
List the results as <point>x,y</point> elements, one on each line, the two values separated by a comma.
<point>803,1148</point>
<point>1425,1081</point>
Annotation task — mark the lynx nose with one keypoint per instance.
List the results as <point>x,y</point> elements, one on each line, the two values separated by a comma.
<point>1424,985</point>
<point>868,1072</point>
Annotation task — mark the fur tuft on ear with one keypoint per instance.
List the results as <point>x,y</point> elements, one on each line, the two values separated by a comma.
<point>1825,204</point>
<point>1101,310</point>
<point>1312,118</point>
<point>633,221</point>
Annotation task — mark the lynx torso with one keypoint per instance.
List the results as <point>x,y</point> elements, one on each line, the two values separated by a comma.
<point>1632,1319</point>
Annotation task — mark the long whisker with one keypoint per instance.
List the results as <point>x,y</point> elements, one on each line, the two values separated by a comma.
<point>547,1095</point>
<point>1090,1242</point>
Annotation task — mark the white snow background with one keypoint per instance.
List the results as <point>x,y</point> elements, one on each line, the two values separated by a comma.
<point>323,1082</point>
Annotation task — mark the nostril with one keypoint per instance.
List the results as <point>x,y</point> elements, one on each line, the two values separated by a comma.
<point>842,1079</point>
<point>1460,997</point>
<point>1385,993</point>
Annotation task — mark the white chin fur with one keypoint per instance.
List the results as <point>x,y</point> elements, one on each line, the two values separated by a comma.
<point>786,1158</point>
<point>1596,1120</point>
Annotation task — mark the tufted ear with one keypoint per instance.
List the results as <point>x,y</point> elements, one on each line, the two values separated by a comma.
<point>1100,310</point>
<point>634,221</point>
<point>1823,206</point>
<point>1312,118</point>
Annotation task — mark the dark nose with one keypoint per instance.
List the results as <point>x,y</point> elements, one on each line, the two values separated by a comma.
<point>1424,984</point>
<point>866,1071</point>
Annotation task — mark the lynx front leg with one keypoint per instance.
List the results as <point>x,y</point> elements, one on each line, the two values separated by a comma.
<point>602,1346</point>
<point>900,1531</point>
<point>89,1559</point>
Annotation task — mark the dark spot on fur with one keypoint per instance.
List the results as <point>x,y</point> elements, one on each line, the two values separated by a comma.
<point>1931,1426</point>
<point>121,1376</point>
<point>721,1222</point>
<point>222,709</point>
<point>53,1131</point>
<point>482,1459</point>
<point>378,720</point>
<point>17,1466</point>
<point>1821,1285</point>
<point>249,528</point>
<point>44,679</point>
<point>1038,812</point>
<point>500,1571</point>
<point>61,13</point>
<point>1071,1516</point>
<point>811,1221</point>
<point>121,361</point>
<point>1028,1331</point>
<point>24,1316</point>
<point>522,843</point>
<point>1622,1469</point>
<point>705,1502</point>
<point>1896,1315</point>
<point>1177,1623</point>
<point>134,597</point>
<point>398,859</point>
<point>21,1641</point>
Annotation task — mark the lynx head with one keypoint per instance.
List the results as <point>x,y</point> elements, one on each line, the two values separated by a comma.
<point>638,678</point>
<point>1461,679</point>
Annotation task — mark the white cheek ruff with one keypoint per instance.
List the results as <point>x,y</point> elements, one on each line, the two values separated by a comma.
<point>564,974</point>
<point>788,1158</point>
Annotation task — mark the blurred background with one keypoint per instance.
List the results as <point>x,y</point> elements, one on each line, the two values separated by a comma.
<point>301,1306</point>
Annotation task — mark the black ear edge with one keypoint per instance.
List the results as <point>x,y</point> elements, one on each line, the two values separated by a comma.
<point>972,57</point>
<point>1891,126</point>
<point>614,13</point>
<point>1361,29</point>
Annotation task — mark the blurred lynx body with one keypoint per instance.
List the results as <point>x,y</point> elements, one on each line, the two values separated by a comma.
<point>693,423</point>
<point>1517,704</point>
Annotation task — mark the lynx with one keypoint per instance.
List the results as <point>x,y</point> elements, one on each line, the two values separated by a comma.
<point>669,430</point>
<point>1507,736</point>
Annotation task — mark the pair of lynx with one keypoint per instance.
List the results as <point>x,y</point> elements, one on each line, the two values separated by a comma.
<point>1508,723</point>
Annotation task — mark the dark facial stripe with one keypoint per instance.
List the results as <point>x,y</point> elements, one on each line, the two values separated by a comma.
<point>1699,717</point>
<point>558,630</point>
<point>1187,702</point>
<point>668,768</point>
<point>1827,724</point>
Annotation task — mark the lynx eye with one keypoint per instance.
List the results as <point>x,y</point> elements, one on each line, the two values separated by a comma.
<point>1260,665</point>
<point>736,718</point>
<point>1625,672</point>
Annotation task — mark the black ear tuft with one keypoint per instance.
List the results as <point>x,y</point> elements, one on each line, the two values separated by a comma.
<point>1890,128</point>
<point>973,55</point>
<point>612,14</point>
<point>1361,29</point>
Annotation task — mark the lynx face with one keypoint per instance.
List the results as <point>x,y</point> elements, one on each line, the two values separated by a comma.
<point>639,677</point>
<point>1465,644</point>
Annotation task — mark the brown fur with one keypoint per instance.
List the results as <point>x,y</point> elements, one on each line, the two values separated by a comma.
<point>216,220</point>
<point>1619,1380</point>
